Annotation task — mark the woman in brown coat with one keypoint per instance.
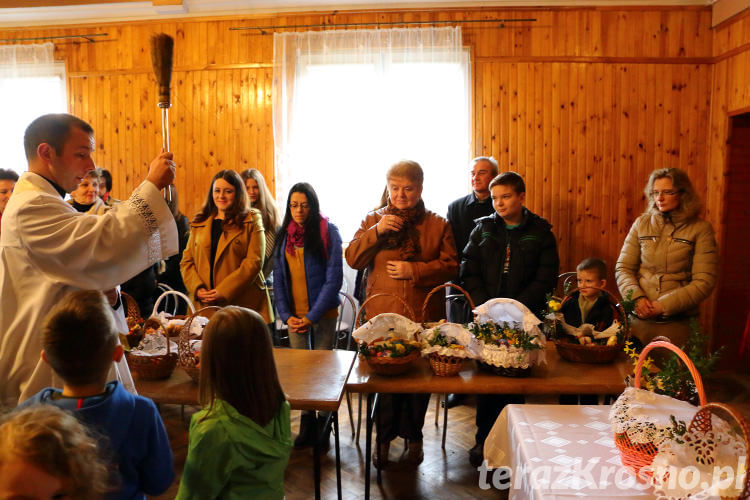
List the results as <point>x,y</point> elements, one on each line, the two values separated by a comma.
<point>222,263</point>
<point>669,260</point>
<point>407,251</point>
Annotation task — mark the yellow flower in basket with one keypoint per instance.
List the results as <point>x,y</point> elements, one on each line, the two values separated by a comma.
<point>554,305</point>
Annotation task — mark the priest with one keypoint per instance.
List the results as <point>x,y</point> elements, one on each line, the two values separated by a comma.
<point>48,249</point>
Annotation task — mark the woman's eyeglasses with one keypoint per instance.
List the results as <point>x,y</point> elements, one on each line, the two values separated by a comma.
<point>667,192</point>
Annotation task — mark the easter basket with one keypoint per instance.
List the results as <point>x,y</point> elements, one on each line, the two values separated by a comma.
<point>511,342</point>
<point>385,358</point>
<point>592,352</point>
<point>133,319</point>
<point>172,324</point>
<point>191,335</point>
<point>447,345</point>
<point>715,440</point>
<point>643,420</point>
<point>152,366</point>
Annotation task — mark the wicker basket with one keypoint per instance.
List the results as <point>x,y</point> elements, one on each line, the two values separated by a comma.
<point>391,366</point>
<point>634,456</point>
<point>187,359</point>
<point>442,365</point>
<point>152,367</point>
<point>154,312</point>
<point>445,366</point>
<point>505,371</point>
<point>577,353</point>
<point>132,312</point>
<point>387,365</point>
<point>702,423</point>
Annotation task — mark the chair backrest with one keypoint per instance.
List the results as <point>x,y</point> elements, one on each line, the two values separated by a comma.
<point>565,281</point>
<point>170,303</point>
<point>345,323</point>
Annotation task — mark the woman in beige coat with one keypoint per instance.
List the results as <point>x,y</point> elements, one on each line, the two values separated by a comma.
<point>407,251</point>
<point>669,259</point>
<point>222,263</point>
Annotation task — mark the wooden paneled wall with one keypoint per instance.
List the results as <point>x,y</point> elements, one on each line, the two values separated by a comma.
<point>584,103</point>
<point>730,94</point>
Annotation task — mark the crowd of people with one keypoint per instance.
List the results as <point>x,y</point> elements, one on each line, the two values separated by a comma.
<point>62,264</point>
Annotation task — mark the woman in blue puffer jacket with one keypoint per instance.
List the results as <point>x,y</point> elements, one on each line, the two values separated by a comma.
<point>307,279</point>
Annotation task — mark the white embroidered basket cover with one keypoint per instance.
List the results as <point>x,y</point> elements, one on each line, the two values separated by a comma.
<point>644,416</point>
<point>472,346</point>
<point>387,325</point>
<point>700,463</point>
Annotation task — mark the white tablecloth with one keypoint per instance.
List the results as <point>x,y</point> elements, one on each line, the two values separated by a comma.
<point>558,452</point>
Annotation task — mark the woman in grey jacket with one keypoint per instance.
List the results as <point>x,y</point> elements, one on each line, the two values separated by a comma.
<point>669,259</point>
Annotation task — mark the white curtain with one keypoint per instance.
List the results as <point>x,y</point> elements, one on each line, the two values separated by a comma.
<point>349,104</point>
<point>31,84</point>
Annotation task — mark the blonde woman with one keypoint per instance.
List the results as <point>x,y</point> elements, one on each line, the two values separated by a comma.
<point>407,250</point>
<point>85,198</point>
<point>260,199</point>
<point>669,259</point>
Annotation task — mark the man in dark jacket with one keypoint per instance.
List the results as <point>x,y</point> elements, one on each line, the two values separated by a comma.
<point>463,212</point>
<point>462,215</point>
<point>511,253</point>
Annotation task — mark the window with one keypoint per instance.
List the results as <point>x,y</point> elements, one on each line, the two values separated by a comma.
<point>355,112</point>
<point>29,87</point>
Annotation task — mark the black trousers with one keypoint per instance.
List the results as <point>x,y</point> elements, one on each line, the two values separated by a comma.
<point>400,415</point>
<point>489,407</point>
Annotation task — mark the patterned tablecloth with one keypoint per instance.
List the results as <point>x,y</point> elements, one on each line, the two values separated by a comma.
<point>557,452</point>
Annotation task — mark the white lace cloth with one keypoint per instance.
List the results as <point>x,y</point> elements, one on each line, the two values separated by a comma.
<point>701,465</point>
<point>472,346</point>
<point>511,311</point>
<point>196,325</point>
<point>387,325</point>
<point>501,310</point>
<point>153,344</point>
<point>645,416</point>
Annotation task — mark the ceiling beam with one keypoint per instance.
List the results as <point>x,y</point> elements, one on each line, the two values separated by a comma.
<point>10,4</point>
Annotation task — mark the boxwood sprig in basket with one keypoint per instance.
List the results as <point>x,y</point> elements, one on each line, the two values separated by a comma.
<point>504,335</point>
<point>441,340</point>
<point>388,347</point>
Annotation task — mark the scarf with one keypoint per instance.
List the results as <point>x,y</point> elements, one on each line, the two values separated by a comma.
<point>295,236</point>
<point>407,239</point>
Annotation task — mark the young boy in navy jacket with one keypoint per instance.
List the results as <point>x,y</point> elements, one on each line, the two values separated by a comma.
<point>589,305</point>
<point>512,254</point>
<point>80,343</point>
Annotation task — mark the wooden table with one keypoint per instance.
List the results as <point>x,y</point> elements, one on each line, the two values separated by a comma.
<point>311,380</point>
<point>556,377</point>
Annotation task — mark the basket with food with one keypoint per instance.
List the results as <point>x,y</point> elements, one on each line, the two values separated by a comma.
<point>172,324</point>
<point>134,321</point>
<point>155,356</point>
<point>511,342</point>
<point>388,342</point>
<point>643,420</point>
<point>447,345</point>
<point>589,343</point>
<point>190,340</point>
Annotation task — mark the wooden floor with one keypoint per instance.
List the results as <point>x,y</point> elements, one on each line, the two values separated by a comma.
<point>443,474</point>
